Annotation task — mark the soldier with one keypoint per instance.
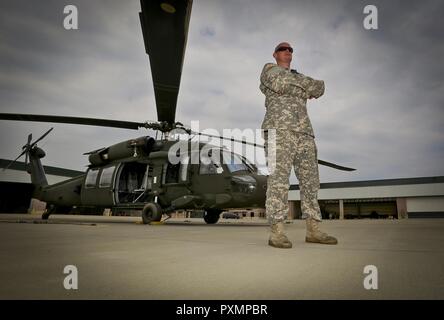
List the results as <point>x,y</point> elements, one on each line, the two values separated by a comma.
<point>289,141</point>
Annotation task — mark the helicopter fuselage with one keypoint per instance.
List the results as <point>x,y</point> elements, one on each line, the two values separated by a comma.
<point>131,174</point>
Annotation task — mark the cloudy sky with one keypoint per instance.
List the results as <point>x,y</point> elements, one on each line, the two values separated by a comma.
<point>382,111</point>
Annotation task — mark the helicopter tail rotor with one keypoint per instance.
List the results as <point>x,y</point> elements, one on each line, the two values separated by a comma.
<point>27,148</point>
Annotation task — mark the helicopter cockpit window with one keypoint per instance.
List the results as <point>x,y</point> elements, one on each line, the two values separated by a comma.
<point>147,182</point>
<point>106,177</point>
<point>172,173</point>
<point>253,168</point>
<point>233,162</point>
<point>208,165</point>
<point>91,178</point>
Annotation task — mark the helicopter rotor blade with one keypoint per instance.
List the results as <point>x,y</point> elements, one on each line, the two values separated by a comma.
<point>321,162</point>
<point>28,143</point>
<point>228,139</point>
<point>39,139</point>
<point>25,151</point>
<point>73,120</point>
<point>123,125</point>
<point>335,166</point>
<point>165,32</point>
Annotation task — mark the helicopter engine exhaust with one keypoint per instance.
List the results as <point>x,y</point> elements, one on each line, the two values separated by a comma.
<point>131,148</point>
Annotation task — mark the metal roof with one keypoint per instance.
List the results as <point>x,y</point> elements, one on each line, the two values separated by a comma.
<point>377,183</point>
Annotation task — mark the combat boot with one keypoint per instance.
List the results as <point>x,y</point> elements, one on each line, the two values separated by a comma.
<point>278,239</point>
<point>314,235</point>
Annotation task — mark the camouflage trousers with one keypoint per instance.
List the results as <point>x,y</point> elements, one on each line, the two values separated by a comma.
<point>286,149</point>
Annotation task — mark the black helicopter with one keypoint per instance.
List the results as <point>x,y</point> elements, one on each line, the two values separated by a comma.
<point>138,173</point>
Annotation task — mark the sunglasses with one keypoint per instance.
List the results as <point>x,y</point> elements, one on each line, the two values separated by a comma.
<point>284,49</point>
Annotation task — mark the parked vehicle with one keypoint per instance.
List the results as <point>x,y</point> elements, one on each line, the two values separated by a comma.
<point>230,215</point>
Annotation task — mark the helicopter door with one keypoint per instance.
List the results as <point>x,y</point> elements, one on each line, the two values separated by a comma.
<point>134,183</point>
<point>97,189</point>
<point>174,177</point>
<point>212,176</point>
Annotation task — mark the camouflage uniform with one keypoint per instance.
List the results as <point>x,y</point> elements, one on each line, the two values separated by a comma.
<point>289,140</point>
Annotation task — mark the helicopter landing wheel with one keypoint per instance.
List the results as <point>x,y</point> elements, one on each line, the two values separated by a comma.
<point>211,216</point>
<point>48,212</point>
<point>151,212</point>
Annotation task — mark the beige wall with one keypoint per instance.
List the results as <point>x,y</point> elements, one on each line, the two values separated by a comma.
<point>426,204</point>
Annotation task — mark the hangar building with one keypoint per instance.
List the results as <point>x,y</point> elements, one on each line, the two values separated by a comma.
<point>397,198</point>
<point>393,198</point>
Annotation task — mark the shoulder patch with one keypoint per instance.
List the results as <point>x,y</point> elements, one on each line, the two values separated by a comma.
<point>272,69</point>
<point>268,66</point>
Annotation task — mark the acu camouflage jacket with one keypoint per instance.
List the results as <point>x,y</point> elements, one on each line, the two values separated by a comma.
<point>286,93</point>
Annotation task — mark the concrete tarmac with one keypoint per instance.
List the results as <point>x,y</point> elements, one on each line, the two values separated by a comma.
<point>118,258</point>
